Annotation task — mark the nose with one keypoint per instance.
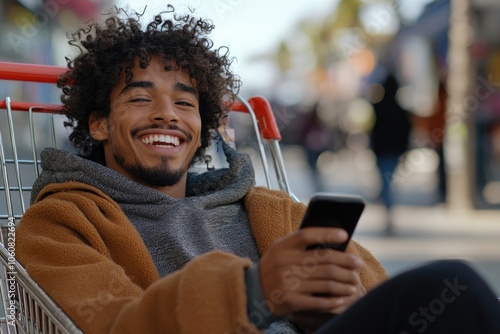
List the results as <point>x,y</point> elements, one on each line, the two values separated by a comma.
<point>164,111</point>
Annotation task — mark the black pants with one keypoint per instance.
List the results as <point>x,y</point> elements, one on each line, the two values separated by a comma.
<point>441,297</point>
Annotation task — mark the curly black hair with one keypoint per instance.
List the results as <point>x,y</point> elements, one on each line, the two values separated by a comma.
<point>108,48</point>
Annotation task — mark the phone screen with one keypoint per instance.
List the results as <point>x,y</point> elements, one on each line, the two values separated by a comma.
<point>332,210</point>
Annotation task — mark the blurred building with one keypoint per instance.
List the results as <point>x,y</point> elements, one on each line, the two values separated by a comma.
<point>457,43</point>
<point>484,98</point>
<point>34,31</point>
<point>449,61</point>
<point>473,114</point>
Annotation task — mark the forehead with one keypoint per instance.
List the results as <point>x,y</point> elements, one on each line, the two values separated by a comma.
<point>156,70</point>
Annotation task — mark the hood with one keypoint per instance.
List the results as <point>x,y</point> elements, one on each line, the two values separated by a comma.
<point>213,187</point>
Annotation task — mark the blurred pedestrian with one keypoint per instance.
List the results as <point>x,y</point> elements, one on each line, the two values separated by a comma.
<point>316,138</point>
<point>389,139</point>
<point>433,127</point>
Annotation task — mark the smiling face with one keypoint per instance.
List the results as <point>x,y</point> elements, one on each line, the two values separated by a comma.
<point>153,129</point>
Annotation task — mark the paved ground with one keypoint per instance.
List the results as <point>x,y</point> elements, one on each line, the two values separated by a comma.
<point>423,231</point>
<point>428,233</point>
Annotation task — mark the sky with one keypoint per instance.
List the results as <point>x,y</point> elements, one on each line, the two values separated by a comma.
<point>247,27</point>
<point>253,27</point>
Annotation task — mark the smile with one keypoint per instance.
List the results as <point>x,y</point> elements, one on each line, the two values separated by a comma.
<point>161,140</point>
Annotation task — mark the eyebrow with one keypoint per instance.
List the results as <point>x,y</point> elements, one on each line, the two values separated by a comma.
<point>186,88</point>
<point>137,84</point>
<point>179,86</point>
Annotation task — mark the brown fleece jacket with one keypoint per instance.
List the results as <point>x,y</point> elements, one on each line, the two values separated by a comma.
<point>79,246</point>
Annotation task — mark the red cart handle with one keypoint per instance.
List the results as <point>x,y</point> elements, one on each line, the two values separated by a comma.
<point>50,74</point>
<point>30,72</point>
<point>265,116</point>
<point>36,107</point>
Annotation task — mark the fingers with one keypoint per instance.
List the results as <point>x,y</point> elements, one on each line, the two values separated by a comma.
<point>323,288</point>
<point>323,280</point>
<point>316,280</point>
<point>344,305</point>
<point>320,295</point>
<point>333,273</point>
<point>331,256</point>
<point>292,249</point>
<point>317,235</point>
<point>338,285</point>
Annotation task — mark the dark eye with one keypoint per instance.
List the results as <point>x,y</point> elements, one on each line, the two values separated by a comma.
<point>139,99</point>
<point>185,103</point>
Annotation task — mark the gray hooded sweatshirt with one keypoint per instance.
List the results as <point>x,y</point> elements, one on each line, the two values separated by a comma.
<point>175,230</point>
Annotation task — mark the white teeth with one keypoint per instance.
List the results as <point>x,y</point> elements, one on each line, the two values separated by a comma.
<point>175,141</point>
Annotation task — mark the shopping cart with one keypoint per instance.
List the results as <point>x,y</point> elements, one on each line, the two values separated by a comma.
<point>26,308</point>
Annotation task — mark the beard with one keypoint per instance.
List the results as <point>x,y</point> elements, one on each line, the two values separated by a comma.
<point>161,176</point>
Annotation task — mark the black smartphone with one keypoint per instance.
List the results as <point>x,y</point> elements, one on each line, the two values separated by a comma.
<point>334,210</point>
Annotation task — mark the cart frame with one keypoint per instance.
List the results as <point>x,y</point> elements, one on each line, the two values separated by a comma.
<point>25,307</point>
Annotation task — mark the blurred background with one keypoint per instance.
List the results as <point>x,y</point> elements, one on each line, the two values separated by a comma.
<point>395,100</point>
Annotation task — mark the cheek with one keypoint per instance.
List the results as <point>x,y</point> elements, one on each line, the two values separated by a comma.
<point>121,126</point>
<point>197,129</point>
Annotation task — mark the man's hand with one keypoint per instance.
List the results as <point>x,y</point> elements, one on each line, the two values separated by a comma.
<point>294,279</point>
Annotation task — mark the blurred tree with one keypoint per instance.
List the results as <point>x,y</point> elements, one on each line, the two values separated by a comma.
<point>323,35</point>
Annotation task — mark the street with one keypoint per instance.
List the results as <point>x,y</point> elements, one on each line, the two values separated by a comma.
<point>422,231</point>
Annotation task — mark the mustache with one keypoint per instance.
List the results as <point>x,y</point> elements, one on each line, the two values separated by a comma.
<point>136,130</point>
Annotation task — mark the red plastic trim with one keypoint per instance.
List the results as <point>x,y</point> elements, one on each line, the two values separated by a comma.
<point>265,116</point>
<point>37,107</point>
<point>50,74</point>
<point>30,72</point>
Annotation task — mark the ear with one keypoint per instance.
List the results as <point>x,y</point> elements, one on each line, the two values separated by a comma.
<point>98,127</point>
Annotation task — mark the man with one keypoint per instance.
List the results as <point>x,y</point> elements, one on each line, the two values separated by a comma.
<point>125,240</point>
<point>138,237</point>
